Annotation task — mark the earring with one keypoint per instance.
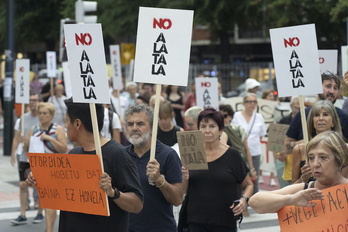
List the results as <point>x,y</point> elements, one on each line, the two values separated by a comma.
<point>339,170</point>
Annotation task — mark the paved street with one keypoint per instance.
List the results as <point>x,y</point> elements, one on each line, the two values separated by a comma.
<point>9,204</point>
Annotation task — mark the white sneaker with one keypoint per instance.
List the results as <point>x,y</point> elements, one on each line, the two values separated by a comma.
<point>273,183</point>
<point>261,180</point>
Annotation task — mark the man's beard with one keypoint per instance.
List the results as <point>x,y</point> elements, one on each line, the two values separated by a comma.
<point>141,140</point>
<point>321,97</point>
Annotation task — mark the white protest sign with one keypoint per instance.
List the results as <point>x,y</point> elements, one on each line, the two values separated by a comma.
<point>344,57</point>
<point>22,81</point>
<point>130,70</point>
<point>295,55</point>
<point>86,57</point>
<point>163,46</point>
<point>116,67</point>
<point>328,61</point>
<point>264,107</point>
<point>67,80</point>
<point>207,92</point>
<point>51,63</point>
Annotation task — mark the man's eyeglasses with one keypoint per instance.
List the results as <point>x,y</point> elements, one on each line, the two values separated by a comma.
<point>225,115</point>
<point>250,102</point>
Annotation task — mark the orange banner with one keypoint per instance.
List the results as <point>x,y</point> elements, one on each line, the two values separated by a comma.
<point>330,214</point>
<point>69,182</point>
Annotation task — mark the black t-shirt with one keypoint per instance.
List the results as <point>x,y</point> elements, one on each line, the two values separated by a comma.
<point>169,138</point>
<point>119,165</point>
<point>211,192</point>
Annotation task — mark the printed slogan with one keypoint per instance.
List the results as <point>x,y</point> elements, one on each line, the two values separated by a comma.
<point>192,151</point>
<point>329,215</point>
<point>69,182</point>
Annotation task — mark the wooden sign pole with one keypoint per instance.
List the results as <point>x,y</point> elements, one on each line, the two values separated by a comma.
<point>155,121</point>
<point>303,120</point>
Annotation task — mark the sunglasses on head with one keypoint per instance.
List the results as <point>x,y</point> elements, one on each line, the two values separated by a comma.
<point>329,74</point>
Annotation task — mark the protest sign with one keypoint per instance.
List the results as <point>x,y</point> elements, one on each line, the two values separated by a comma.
<point>295,55</point>
<point>207,92</point>
<point>51,63</point>
<point>69,182</point>
<point>22,81</point>
<point>265,107</point>
<point>86,57</point>
<point>163,46</point>
<point>276,137</point>
<point>329,214</point>
<point>192,151</point>
<point>344,59</point>
<point>116,67</point>
<point>328,61</point>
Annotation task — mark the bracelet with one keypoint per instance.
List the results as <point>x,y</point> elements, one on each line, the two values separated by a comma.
<point>164,181</point>
<point>245,198</point>
<point>252,169</point>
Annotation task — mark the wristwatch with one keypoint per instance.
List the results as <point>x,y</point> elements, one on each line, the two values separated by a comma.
<point>245,198</point>
<point>117,194</point>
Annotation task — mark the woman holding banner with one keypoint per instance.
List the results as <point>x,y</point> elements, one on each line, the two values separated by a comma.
<point>327,155</point>
<point>223,200</point>
<point>47,137</point>
<point>322,117</point>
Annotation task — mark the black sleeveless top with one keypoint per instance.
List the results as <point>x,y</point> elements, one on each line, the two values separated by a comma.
<point>302,163</point>
<point>306,185</point>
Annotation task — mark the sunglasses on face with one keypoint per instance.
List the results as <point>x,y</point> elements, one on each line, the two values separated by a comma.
<point>250,102</point>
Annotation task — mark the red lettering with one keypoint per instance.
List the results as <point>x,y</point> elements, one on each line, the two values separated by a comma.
<point>114,52</point>
<point>84,39</point>
<point>321,60</point>
<point>205,84</point>
<point>21,69</point>
<point>292,42</point>
<point>162,23</point>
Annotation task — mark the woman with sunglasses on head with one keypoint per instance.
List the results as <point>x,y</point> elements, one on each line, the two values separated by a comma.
<point>53,139</point>
<point>254,124</point>
<point>322,117</point>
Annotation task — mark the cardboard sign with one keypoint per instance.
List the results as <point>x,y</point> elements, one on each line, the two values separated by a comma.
<point>116,67</point>
<point>69,182</point>
<point>264,107</point>
<point>51,62</point>
<point>163,46</point>
<point>276,137</point>
<point>329,214</point>
<point>207,94</point>
<point>295,56</point>
<point>67,80</point>
<point>192,151</point>
<point>22,81</point>
<point>344,57</point>
<point>328,61</point>
<point>86,57</point>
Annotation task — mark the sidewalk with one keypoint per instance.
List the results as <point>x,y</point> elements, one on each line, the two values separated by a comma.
<point>9,179</point>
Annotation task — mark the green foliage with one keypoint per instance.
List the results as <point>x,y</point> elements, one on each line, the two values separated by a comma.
<point>38,21</point>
